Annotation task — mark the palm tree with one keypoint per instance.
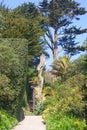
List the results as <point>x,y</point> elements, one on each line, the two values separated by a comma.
<point>61,66</point>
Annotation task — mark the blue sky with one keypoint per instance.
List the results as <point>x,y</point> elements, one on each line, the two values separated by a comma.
<point>15,3</point>
<point>81,23</point>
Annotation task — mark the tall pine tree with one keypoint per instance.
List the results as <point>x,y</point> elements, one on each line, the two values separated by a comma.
<point>59,30</point>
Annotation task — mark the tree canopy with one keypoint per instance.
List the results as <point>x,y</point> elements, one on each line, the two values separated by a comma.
<point>59,30</point>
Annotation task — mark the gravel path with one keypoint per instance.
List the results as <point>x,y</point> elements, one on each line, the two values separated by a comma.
<point>31,123</point>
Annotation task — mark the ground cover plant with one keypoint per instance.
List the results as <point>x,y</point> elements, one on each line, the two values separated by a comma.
<point>7,121</point>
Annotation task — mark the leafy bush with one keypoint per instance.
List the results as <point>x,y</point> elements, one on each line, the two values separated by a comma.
<point>6,121</point>
<point>39,108</point>
<point>63,122</point>
<point>69,96</point>
<point>69,99</point>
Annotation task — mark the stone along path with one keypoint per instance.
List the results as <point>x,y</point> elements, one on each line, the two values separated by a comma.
<point>31,123</point>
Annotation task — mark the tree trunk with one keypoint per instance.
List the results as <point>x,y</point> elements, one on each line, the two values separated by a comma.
<point>40,69</point>
<point>55,53</point>
<point>55,48</point>
<point>37,90</point>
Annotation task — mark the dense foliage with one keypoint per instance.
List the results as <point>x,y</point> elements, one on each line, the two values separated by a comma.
<point>65,99</point>
<point>13,59</point>
<point>63,122</point>
<point>7,121</point>
<point>20,48</point>
<point>23,38</point>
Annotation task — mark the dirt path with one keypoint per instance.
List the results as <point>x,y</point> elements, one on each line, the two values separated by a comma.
<point>31,123</point>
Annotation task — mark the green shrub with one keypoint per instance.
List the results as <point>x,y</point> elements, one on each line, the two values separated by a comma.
<point>39,108</point>
<point>63,122</point>
<point>6,121</point>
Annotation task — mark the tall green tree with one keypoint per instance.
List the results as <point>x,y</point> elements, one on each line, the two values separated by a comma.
<point>18,26</point>
<point>28,10</point>
<point>33,14</point>
<point>59,30</point>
